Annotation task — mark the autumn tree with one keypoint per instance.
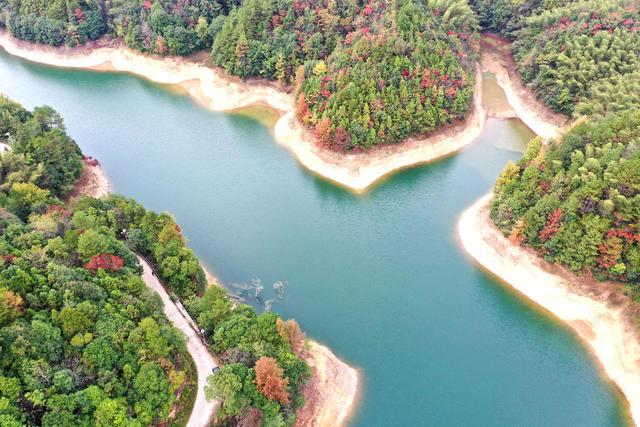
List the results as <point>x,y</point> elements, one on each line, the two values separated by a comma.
<point>10,305</point>
<point>552,226</point>
<point>269,380</point>
<point>291,333</point>
<point>323,131</point>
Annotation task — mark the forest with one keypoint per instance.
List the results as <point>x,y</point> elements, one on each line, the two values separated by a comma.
<point>579,57</point>
<point>371,72</point>
<point>365,73</point>
<point>82,339</point>
<point>577,200</point>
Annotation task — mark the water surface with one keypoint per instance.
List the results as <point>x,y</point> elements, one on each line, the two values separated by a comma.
<point>379,277</point>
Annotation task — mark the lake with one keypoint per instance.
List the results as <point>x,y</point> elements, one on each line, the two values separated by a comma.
<point>379,276</point>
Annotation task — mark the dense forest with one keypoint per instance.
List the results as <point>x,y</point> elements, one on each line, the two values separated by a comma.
<point>82,339</point>
<point>577,200</point>
<point>372,72</point>
<point>579,57</point>
<point>367,72</point>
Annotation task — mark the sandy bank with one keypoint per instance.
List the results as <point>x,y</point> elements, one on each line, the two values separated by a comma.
<point>598,312</point>
<point>93,182</point>
<point>331,391</point>
<point>497,59</point>
<point>221,92</point>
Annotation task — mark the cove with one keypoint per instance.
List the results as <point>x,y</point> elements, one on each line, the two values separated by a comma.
<point>379,277</point>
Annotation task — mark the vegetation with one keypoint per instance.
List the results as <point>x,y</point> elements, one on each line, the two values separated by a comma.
<point>367,72</point>
<point>82,340</point>
<point>582,58</point>
<point>43,154</point>
<point>577,201</point>
<point>403,68</point>
<point>262,378</point>
<point>579,57</point>
<point>238,335</point>
<point>505,17</point>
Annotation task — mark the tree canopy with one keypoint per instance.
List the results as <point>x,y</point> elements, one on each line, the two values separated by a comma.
<point>366,72</point>
<point>82,339</point>
<point>577,200</point>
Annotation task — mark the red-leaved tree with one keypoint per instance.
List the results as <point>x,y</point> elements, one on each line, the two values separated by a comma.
<point>105,262</point>
<point>553,225</point>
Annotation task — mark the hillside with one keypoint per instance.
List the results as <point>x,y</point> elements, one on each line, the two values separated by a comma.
<point>366,73</point>
<point>82,340</point>
<point>577,201</point>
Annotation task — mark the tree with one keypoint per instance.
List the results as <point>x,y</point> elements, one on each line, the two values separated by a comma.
<point>23,197</point>
<point>104,262</point>
<point>552,226</point>
<point>73,321</point>
<point>290,331</point>
<point>151,393</point>
<point>269,380</point>
<point>223,385</point>
<point>110,412</point>
<point>323,131</point>
<point>10,306</point>
<point>215,306</point>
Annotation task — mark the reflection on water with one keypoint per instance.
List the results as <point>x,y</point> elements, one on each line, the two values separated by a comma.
<point>261,113</point>
<point>493,97</point>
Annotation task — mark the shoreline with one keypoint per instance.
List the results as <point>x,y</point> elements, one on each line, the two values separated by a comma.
<point>333,388</point>
<point>330,393</point>
<point>597,312</point>
<point>496,59</point>
<point>219,92</point>
<point>94,182</point>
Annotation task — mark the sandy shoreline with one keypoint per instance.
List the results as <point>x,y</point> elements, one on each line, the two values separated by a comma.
<point>331,391</point>
<point>597,312</point>
<point>93,182</point>
<point>221,92</point>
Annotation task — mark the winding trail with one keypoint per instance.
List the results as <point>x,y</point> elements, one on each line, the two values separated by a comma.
<point>203,411</point>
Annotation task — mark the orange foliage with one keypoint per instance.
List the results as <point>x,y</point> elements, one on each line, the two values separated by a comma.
<point>517,236</point>
<point>290,331</point>
<point>323,131</point>
<point>302,109</point>
<point>10,305</point>
<point>553,225</point>
<point>269,380</point>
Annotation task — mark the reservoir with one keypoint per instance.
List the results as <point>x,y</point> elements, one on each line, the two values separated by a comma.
<point>379,277</point>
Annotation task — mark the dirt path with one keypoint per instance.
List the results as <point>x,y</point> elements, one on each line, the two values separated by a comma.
<point>203,411</point>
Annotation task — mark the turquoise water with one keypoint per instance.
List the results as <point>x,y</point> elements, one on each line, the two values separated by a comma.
<point>378,277</point>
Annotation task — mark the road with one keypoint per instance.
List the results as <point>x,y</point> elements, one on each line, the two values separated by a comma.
<point>203,411</point>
